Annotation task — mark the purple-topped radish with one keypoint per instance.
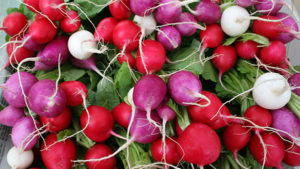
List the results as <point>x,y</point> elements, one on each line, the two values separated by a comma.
<point>186,29</point>
<point>169,37</point>
<point>290,24</point>
<point>12,91</point>
<point>41,66</point>
<point>294,81</point>
<point>10,115</point>
<point>142,7</point>
<point>245,3</point>
<point>166,113</point>
<point>208,12</point>
<point>269,7</point>
<point>31,45</point>
<point>168,11</point>
<point>46,99</point>
<point>23,134</point>
<point>185,88</point>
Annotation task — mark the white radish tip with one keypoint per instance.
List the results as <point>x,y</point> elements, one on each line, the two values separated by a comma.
<point>146,23</point>
<point>19,159</point>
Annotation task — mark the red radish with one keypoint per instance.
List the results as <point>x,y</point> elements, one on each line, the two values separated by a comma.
<point>127,57</point>
<point>274,54</point>
<point>274,149</point>
<point>225,58</point>
<point>122,113</point>
<point>126,35</point>
<point>178,129</point>
<point>212,37</point>
<point>99,151</point>
<point>247,50</point>
<point>104,30</point>
<point>14,23</point>
<point>292,154</point>
<point>259,116</point>
<point>267,29</point>
<point>236,137</point>
<point>16,52</point>
<point>200,144</point>
<point>32,5</point>
<point>58,123</point>
<point>166,152</point>
<point>42,31</point>
<point>71,22</point>
<point>60,155</point>
<point>75,91</point>
<point>10,115</point>
<point>97,122</point>
<point>31,45</point>
<point>54,9</point>
<point>152,57</point>
<point>120,9</point>
<point>208,12</point>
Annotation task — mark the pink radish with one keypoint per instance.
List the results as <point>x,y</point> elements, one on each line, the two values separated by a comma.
<point>168,11</point>
<point>10,115</point>
<point>269,7</point>
<point>208,12</point>
<point>142,7</point>
<point>289,24</point>
<point>169,37</point>
<point>186,29</point>
<point>245,3</point>
<point>31,45</point>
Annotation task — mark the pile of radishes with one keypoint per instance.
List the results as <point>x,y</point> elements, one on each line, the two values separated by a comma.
<point>76,107</point>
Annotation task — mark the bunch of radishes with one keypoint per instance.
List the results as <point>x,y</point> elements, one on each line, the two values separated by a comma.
<point>184,124</point>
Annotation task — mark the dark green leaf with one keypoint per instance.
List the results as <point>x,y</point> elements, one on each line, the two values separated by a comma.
<point>94,79</point>
<point>123,81</point>
<point>28,13</point>
<point>7,37</point>
<point>209,72</point>
<point>297,68</point>
<point>91,100</point>
<point>106,95</point>
<point>63,134</point>
<point>90,7</point>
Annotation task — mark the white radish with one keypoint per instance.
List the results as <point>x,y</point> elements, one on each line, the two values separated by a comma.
<point>146,23</point>
<point>130,96</point>
<point>82,45</point>
<point>235,20</point>
<point>271,91</point>
<point>18,159</point>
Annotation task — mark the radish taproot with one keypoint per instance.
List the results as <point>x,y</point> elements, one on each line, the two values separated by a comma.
<point>146,23</point>
<point>75,92</point>
<point>96,152</point>
<point>169,37</point>
<point>19,159</point>
<point>10,115</point>
<point>58,123</point>
<point>14,23</point>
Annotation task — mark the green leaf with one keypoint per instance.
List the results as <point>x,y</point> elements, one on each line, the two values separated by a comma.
<point>230,41</point>
<point>28,13</point>
<point>72,74</point>
<point>91,98</point>
<point>63,134</point>
<point>94,79</point>
<point>123,81</point>
<point>263,41</point>
<point>210,72</point>
<point>106,95</point>
<point>7,37</point>
<point>11,10</point>
<point>90,7</point>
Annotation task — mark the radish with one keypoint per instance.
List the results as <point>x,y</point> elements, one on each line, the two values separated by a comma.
<point>54,9</point>
<point>75,92</point>
<point>97,123</point>
<point>96,152</point>
<point>269,7</point>
<point>13,93</point>
<point>212,37</point>
<point>285,120</point>
<point>200,144</point>
<point>271,91</point>
<point>15,23</point>
<point>259,116</point>
<point>33,5</point>
<point>236,137</point>
<point>208,12</point>
<point>274,54</point>
<point>150,57</point>
<point>45,98</point>
<point>42,31</point>
<point>146,23</point>
<point>142,7</point>
<point>127,57</point>
<point>10,115</point>
<point>71,22</point>
<point>31,45</point>
<point>126,35</point>
<point>289,24</point>
<point>104,30</point>
<point>294,81</point>
<point>122,113</point>
<point>58,123</point>
<point>245,3</point>
<point>169,37</point>
<point>246,50</point>
<point>235,20</point>
<point>292,154</point>
<point>185,88</point>
<point>186,29</point>
<point>275,150</point>
<point>166,151</point>
<point>60,155</point>
<point>18,159</point>
<point>120,9</point>
<point>168,11</point>
<point>23,134</point>
<point>41,66</point>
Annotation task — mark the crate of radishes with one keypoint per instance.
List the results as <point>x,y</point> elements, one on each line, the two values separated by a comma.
<point>131,84</point>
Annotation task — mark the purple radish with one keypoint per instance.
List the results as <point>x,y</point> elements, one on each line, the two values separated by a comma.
<point>23,134</point>
<point>285,120</point>
<point>208,12</point>
<point>290,24</point>
<point>269,7</point>
<point>185,88</point>
<point>186,29</point>
<point>31,45</point>
<point>44,100</point>
<point>294,81</point>
<point>166,113</point>
<point>245,3</point>
<point>142,7</point>
<point>10,115</point>
<point>41,66</point>
<point>12,91</point>
<point>169,37</point>
<point>168,11</point>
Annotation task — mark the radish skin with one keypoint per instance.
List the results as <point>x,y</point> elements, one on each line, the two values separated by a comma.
<point>19,159</point>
